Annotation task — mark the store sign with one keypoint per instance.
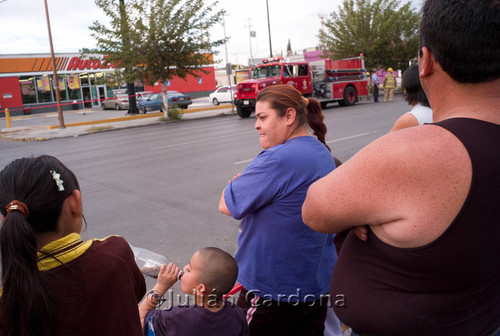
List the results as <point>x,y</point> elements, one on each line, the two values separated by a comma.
<point>75,63</point>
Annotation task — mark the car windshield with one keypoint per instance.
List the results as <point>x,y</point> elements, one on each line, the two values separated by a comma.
<point>267,71</point>
<point>144,94</point>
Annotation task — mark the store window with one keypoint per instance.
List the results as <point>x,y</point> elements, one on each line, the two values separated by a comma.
<point>100,79</point>
<point>74,92</point>
<point>84,79</point>
<point>111,82</point>
<point>28,92</point>
<point>62,87</point>
<point>43,88</point>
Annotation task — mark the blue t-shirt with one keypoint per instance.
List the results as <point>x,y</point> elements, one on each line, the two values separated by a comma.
<point>279,257</point>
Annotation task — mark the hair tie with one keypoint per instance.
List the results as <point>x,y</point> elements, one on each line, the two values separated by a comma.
<point>306,101</point>
<point>18,206</point>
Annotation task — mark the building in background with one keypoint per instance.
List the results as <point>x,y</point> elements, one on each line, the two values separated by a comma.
<point>26,82</point>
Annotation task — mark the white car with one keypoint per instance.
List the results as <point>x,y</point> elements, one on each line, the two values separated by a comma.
<point>222,95</point>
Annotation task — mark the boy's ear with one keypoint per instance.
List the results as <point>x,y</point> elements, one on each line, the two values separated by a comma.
<point>201,289</point>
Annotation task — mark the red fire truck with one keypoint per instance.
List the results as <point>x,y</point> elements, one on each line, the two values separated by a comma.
<point>326,80</point>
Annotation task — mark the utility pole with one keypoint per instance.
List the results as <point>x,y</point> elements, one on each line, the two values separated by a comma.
<point>228,65</point>
<point>250,35</point>
<point>269,29</point>
<point>55,82</point>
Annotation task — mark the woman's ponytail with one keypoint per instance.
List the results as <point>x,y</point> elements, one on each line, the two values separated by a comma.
<point>315,119</point>
<point>23,282</point>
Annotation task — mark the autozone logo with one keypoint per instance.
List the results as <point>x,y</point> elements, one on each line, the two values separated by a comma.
<point>76,63</point>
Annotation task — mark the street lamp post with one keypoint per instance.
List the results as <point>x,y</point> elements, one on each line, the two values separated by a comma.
<point>54,71</point>
<point>269,29</point>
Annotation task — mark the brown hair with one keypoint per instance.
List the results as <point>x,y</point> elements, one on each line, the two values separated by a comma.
<point>282,97</point>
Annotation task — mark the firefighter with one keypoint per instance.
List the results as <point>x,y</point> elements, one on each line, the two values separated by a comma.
<point>389,85</point>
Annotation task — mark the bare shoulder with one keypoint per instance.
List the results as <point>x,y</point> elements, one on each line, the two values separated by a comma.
<point>432,174</point>
<point>404,121</point>
<point>407,185</point>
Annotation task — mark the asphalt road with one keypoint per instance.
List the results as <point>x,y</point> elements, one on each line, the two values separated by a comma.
<point>159,186</point>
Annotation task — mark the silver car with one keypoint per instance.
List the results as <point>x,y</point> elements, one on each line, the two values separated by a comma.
<point>117,101</point>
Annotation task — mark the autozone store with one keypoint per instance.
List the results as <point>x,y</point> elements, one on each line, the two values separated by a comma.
<point>27,85</point>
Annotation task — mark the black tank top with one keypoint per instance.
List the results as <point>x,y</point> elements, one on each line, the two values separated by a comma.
<point>448,287</point>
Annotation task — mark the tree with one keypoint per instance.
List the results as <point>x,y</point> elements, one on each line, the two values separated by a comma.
<point>385,32</point>
<point>157,40</point>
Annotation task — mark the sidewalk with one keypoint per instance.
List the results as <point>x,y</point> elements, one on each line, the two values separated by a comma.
<point>43,127</point>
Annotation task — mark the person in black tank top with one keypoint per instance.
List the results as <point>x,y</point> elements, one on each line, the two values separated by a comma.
<point>422,203</point>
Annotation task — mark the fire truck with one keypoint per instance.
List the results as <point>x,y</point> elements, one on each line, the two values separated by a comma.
<point>327,80</point>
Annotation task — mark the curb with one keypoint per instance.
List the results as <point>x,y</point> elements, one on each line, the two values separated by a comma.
<point>135,117</point>
<point>76,129</point>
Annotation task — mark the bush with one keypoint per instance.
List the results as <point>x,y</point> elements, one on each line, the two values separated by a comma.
<point>174,112</point>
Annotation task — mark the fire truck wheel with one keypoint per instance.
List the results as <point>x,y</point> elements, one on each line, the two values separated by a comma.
<point>243,112</point>
<point>323,104</point>
<point>350,96</point>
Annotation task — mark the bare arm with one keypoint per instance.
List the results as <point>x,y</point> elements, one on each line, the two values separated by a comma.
<point>166,278</point>
<point>222,203</point>
<point>356,193</point>
<point>408,186</point>
<point>404,121</point>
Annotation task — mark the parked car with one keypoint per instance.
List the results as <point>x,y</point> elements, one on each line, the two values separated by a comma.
<point>117,101</point>
<point>143,95</point>
<point>155,101</point>
<point>222,95</point>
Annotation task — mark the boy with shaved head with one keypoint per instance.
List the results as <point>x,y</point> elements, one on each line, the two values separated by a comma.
<point>210,274</point>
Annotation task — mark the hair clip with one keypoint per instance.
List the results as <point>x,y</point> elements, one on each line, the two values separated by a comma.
<point>58,180</point>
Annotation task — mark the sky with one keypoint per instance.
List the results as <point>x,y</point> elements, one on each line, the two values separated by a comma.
<point>25,26</point>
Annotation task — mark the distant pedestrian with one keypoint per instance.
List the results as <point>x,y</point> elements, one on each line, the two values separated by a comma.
<point>375,83</point>
<point>389,85</point>
<point>368,84</point>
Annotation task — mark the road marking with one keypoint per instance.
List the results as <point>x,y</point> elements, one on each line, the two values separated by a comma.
<point>335,140</point>
<point>351,137</point>
<point>244,161</point>
<point>201,140</point>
